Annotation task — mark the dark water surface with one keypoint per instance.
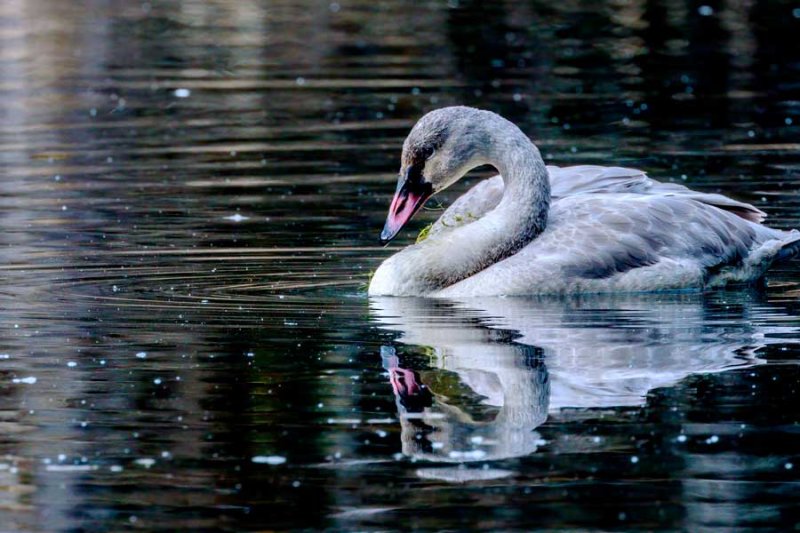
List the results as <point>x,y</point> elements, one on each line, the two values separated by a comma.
<point>190,196</point>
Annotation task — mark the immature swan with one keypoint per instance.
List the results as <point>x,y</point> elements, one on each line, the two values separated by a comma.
<point>540,230</point>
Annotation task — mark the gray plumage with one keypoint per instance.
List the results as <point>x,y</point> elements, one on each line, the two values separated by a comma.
<point>605,229</point>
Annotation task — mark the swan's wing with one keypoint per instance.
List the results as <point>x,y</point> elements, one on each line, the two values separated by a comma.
<point>584,179</point>
<point>631,242</point>
<point>581,179</point>
<point>592,179</point>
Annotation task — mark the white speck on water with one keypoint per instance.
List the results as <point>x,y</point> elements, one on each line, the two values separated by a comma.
<point>157,381</point>
<point>72,364</point>
<point>70,468</point>
<point>250,354</point>
<point>344,421</point>
<point>420,416</point>
<point>116,468</point>
<point>114,288</point>
<point>437,445</point>
<point>182,93</point>
<point>4,356</point>
<point>268,459</point>
<point>705,11</point>
<point>476,440</point>
<point>713,439</point>
<point>681,438</point>
<point>300,81</point>
<point>788,466</point>
<point>380,420</point>
<point>470,455</point>
<point>634,459</point>
<point>146,462</point>
<point>381,433</point>
<point>295,484</point>
<point>141,355</point>
<point>237,218</point>
<point>30,380</point>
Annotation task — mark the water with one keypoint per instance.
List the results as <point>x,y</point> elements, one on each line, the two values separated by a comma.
<point>191,197</point>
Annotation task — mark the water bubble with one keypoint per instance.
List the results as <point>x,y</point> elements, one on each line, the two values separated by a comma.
<point>182,93</point>
<point>146,462</point>
<point>268,459</point>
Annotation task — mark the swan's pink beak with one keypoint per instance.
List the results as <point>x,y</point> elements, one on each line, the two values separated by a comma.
<point>408,199</point>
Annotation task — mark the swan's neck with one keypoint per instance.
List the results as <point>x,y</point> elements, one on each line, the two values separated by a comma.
<point>458,254</point>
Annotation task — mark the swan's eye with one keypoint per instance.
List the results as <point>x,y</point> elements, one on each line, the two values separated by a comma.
<point>414,175</point>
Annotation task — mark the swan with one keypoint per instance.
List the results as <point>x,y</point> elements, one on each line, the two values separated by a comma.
<point>535,229</point>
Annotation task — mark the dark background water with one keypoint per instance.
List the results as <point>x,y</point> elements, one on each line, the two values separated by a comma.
<point>190,199</point>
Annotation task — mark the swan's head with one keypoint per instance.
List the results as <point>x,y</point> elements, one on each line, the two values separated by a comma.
<point>443,145</point>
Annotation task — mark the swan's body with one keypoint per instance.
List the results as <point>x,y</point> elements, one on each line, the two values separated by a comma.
<point>539,230</point>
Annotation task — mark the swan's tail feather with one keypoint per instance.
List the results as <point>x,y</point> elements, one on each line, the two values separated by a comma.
<point>790,249</point>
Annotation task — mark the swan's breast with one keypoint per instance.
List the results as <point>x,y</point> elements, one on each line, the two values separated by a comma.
<point>383,280</point>
<point>398,276</point>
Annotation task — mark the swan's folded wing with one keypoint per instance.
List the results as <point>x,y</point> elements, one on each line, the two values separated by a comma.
<point>584,179</point>
<point>633,242</point>
<point>596,238</point>
<point>592,179</point>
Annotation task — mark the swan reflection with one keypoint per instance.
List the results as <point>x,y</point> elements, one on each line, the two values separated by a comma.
<point>474,379</point>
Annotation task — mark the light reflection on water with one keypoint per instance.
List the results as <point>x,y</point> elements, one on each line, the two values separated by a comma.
<point>190,202</point>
